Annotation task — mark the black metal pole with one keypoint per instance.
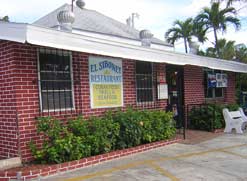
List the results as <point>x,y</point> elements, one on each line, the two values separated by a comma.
<point>72,5</point>
<point>185,120</point>
<point>214,117</point>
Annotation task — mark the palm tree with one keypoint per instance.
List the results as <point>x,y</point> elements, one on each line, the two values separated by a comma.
<point>217,19</point>
<point>241,79</point>
<point>5,18</point>
<point>241,53</point>
<point>226,50</point>
<point>229,2</point>
<point>180,29</point>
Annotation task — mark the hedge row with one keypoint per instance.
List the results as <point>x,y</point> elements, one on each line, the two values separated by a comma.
<point>82,138</point>
<point>209,116</point>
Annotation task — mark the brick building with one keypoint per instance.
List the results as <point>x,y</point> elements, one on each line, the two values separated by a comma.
<point>91,69</point>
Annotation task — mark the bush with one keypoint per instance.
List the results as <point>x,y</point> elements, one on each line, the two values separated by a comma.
<point>138,127</point>
<point>209,117</point>
<point>81,138</point>
<point>130,128</point>
<point>59,145</point>
<point>102,135</point>
<point>158,125</point>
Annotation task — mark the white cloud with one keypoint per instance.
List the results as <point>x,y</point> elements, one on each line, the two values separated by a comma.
<point>28,10</point>
<point>194,8</point>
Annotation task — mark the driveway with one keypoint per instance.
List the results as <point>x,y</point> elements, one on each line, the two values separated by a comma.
<point>222,158</point>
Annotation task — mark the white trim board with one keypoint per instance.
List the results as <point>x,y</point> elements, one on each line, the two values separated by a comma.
<point>82,43</point>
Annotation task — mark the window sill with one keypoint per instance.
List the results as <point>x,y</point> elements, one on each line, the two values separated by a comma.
<point>145,103</point>
<point>214,98</point>
<point>58,110</point>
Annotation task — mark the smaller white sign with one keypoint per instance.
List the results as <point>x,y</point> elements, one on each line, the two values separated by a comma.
<point>162,91</point>
<point>221,80</point>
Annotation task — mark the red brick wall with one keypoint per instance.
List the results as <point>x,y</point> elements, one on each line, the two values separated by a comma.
<point>20,95</point>
<point>8,125</point>
<point>230,92</point>
<point>26,94</point>
<point>193,85</point>
<point>129,90</point>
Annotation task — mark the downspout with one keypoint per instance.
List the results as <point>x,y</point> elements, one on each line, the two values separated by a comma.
<point>17,115</point>
<point>17,127</point>
<point>18,134</point>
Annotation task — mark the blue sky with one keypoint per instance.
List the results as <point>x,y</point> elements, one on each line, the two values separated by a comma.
<point>155,15</point>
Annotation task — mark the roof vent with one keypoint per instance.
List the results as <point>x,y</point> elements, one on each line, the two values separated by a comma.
<point>80,3</point>
<point>194,47</point>
<point>146,36</point>
<point>66,18</point>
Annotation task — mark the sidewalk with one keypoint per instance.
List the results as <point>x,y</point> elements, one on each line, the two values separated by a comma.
<point>221,158</point>
<point>196,136</point>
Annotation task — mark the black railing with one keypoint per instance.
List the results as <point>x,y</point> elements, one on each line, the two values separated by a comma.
<point>201,116</point>
<point>180,121</point>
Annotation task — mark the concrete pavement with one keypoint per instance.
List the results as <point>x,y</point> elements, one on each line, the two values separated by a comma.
<point>222,158</point>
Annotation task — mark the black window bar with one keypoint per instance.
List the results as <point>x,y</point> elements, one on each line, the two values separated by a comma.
<point>146,85</point>
<point>55,81</point>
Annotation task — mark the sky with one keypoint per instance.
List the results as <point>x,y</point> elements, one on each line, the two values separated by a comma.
<point>155,15</point>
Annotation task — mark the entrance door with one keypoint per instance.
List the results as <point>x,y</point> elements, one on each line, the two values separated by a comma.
<point>174,75</point>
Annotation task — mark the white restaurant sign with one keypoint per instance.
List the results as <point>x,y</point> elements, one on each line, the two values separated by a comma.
<point>106,82</point>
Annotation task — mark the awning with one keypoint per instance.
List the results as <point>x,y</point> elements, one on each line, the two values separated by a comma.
<point>25,33</point>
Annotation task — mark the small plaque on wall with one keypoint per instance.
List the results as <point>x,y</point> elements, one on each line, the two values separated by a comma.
<point>162,91</point>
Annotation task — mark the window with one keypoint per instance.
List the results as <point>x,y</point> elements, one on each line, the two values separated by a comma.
<point>144,81</point>
<point>211,92</point>
<point>55,80</point>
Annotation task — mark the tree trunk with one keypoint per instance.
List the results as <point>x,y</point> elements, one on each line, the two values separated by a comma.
<point>216,43</point>
<point>185,45</point>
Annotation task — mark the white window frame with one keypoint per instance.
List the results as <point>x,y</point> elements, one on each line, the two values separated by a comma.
<point>61,53</point>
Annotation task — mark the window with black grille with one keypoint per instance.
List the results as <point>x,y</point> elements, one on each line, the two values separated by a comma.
<point>212,92</point>
<point>144,81</point>
<point>55,80</point>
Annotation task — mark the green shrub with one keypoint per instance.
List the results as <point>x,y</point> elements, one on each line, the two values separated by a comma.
<point>81,138</point>
<point>232,107</point>
<point>157,125</point>
<point>59,145</point>
<point>104,133</point>
<point>209,117</point>
<point>100,133</point>
<point>130,128</point>
<point>138,127</point>
<point>79,127</point>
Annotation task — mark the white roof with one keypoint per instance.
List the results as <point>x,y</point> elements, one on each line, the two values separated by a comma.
<point>92,21</point>
<point>25,33</point>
